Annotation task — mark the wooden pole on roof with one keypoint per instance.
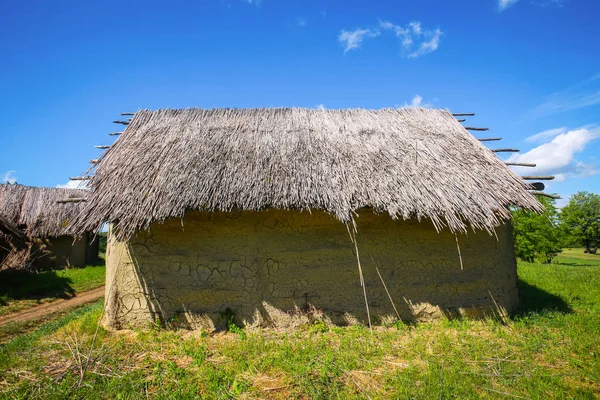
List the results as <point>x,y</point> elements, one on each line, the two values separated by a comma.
<point>551,196</point>
<point>102,147</point>
<point>537,185</point>
<point>127,113</point>
<point>121,122</point>
<point>464,115</point>
<point>80,178</point>
<point>470,128</point>
<point>461,120</point>
<point>506,150</point>
<point>115,133</point>
<point>72,200</point>
<point>520,164</point>
<point>489,139</point>
<point>537,177</point>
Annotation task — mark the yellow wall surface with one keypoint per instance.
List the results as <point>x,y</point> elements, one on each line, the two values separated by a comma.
<point>285,268</point>
<point>67,251</point>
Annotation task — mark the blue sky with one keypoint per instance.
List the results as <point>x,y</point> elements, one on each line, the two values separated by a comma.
<point>529,69</point>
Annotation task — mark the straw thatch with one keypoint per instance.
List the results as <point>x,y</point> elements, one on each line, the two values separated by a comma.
<point>10,231</point>
<point>14,246</point>
<point>36,209</point>
<point>411,163</point>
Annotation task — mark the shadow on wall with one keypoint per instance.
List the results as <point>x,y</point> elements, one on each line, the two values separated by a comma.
<point>22,285</point>
<point>535,300</point>
<point>284,268</point>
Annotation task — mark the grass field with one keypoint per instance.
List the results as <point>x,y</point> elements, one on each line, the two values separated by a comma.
<point>20,290</point>
<point>548,350</point>
<point>578,255</point>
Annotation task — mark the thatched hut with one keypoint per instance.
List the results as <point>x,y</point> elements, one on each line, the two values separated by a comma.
<point>263,213</point>
<point>43,220</point>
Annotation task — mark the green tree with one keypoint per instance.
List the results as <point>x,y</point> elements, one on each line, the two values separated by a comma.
<point>537,236</point>
<point>581,219</point>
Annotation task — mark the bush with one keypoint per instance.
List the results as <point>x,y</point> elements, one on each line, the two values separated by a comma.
<point>537,237</point>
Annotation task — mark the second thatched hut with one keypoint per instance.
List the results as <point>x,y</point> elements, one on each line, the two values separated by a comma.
<point>38,217</point>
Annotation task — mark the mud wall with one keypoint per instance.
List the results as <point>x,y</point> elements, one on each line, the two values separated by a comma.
<point>64,251</point>
<point>284,268</point>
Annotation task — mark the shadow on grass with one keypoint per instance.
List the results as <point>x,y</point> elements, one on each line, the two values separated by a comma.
<point>575,264</point>
<point>536,300</point>
<point>20,285</point>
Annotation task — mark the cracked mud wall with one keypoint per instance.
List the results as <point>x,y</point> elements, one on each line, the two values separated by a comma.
<point>284,268</point>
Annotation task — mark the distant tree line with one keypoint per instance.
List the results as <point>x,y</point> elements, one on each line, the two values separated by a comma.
<point>540,237</point>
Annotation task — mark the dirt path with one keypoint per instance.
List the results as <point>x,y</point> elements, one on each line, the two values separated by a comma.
<point>53,307</point>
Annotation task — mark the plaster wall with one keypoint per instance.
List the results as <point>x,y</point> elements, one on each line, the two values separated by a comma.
<point>285,268</point>
<point>68,251</point>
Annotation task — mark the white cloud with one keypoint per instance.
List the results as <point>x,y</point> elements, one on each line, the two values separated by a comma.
<point>583,94</point>
<point>560,177</point>
<point>584,170</point>
<point>504,4</point>
<point>550,133</point>
<point>557,157</point>
<point>73,185</point>
<point>301,22</point>
<point>415,40</point>
<point>353,39</point>
<point>428,46</point>
<point>416,101</point>
<point>320,106</point>
<point>9,177</point>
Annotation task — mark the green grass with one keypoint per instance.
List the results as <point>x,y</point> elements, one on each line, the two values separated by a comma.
<point>20,290</point>
<point>548,350</point>
<point>577,254</point>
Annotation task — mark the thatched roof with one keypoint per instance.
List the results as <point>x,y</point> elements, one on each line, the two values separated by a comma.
<point>411,163</point>
<point>11,238</point>
<point>36,209</point>
<point>8,229</point>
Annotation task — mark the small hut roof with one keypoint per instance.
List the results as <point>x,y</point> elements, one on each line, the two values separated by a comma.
<point>411,163</point>
<point>7,228</point>
<point>37,209</point>
<point>10,237</point>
